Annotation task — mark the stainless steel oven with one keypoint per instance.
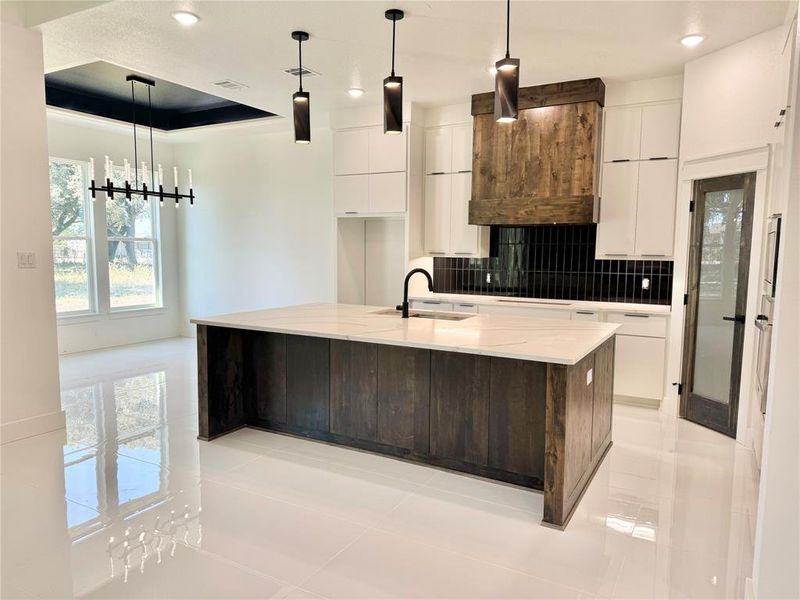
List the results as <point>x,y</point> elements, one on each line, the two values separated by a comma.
<point>764,325</point>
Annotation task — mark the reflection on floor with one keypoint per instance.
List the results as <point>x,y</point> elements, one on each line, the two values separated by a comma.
<point>128,504</point>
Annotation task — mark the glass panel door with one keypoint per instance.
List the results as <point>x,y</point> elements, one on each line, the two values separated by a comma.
<point>719,260</point>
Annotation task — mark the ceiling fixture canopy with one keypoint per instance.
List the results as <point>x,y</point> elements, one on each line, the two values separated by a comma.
<point>393,86</point>
<point>131,187</point>
<point>506,80</point>
<point>301,101</point>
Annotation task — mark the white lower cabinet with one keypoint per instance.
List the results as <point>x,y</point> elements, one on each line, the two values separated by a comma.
<point>533,312</point>
<point>585,315</point>
<point>436,305</point>
<point>639,366</point>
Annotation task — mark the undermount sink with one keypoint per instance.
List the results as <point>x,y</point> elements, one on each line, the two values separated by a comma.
<point>444,316</point>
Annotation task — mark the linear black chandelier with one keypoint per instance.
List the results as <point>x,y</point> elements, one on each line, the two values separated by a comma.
<point>131,187</point>
<point>393,86</point>
<point>301,101</point>
<point>506,80</point>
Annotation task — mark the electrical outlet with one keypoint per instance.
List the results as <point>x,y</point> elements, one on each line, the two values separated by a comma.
<point>645,283</point>
<point>488,278</point>
<point>26,260</point>
<point>589,376</point>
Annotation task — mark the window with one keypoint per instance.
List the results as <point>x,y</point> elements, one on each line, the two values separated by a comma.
<point>132,250</point>
<point>73,251</point>
<point>129,251</point>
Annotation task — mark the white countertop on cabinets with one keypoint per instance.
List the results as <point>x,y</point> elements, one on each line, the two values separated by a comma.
<point>544,340</point>
<point>622,307</point>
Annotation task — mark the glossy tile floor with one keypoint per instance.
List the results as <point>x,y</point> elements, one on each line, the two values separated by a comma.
<point>128,504</point>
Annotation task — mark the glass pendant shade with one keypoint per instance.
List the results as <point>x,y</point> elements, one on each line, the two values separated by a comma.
<point>301,105</point>
<point>393,104</point>
<point>506,90</point>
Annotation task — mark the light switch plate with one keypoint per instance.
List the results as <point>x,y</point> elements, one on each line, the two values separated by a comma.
<point>589,376</point>
<point>26,260</point>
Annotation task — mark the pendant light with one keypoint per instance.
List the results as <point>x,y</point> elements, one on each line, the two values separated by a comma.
<point>393,86</point>
<point>301,101</point>
<point>506,80</point>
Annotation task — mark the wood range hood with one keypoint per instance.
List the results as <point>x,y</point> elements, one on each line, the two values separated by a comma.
<point>542,168</point>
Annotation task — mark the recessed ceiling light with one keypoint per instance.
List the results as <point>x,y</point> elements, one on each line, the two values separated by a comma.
<point>355,92</point>
<point>692,40</point>
<point>185,18</point>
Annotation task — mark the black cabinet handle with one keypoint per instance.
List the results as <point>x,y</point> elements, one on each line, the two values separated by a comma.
<point>734,318</point>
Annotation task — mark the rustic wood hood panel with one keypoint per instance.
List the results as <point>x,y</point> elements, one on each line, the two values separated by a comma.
<point>543,168</point>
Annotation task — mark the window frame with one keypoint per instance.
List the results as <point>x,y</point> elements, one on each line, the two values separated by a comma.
<point>155,238</point>
<point>89,238</point>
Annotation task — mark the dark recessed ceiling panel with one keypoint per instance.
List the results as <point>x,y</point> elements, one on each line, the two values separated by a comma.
<point>100,89</point>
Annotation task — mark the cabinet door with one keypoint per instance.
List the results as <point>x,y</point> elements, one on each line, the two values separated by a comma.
<point>661,126</point>
<point>350,152</point>
<point>655,211</point>
<point>438,150</point>
<point>437,213</point>
<point>462,148</point>
<point>639,367</point>
<point>387,192</point>
<point>463,236</point>
<point>350,194</point>
<point>616,229</point>
<point>387,153</point>
<point>523,311</point>
<point>622,134</point>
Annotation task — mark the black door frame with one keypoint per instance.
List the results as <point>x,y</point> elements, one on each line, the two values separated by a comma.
<point>714,415</point>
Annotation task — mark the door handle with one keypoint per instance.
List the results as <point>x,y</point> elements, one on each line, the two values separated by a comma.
<point>735,318</point>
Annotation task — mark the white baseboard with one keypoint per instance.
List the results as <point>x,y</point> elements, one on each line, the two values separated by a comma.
<point>636,401</point>
<point>749,591</point>
<point>24,428</point>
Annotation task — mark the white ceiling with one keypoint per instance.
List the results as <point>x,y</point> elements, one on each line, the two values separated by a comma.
<point>444,47</point>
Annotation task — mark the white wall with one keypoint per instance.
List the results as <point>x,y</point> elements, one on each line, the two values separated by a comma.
<point>777,540</point>
<point>261,233</point>
<point>29,388</point>
<point>79,137</point>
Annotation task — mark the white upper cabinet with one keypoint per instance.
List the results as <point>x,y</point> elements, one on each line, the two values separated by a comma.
<point>622,132</point>
<point>351,194</point>
<point>462,148</point>
<point>350,151</point>
<point>438,194</point>
<point>387,192</point>
<point>616,229</point>
<point>438,150</point>
<point>464,238</point>
<point>387,153</point>
<point>661,126</point>
<point>656,208</point>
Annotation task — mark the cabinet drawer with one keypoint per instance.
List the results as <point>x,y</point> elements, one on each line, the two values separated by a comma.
<point>432,305</point>
<point>636,324</point>
<point>351,194</point>
<point>585,315</point>
<point>387,192</point>
<point>465,307</point>
<point>534,312</point>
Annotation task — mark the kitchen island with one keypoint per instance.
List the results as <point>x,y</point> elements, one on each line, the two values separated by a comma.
<point>514,399</point>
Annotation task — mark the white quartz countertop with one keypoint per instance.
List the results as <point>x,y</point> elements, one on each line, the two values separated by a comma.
<point>520,337</point>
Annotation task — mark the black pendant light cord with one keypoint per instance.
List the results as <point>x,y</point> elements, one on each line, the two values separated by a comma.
<point>508,27</point>
<point>300,60</point>
<point>150,118</point>
<point>394,26</point>
<point>135,153</point>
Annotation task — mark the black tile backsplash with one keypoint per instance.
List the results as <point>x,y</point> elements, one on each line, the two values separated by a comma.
<point>553,261</point>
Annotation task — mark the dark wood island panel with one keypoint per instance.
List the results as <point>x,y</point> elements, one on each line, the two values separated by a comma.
<point>539,425</point>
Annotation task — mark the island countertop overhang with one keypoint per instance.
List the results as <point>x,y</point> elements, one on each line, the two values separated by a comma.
<point>523,338</point>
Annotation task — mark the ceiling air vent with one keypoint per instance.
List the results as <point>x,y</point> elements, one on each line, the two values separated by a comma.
<point>229,84</point>
<point>296,72</point>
